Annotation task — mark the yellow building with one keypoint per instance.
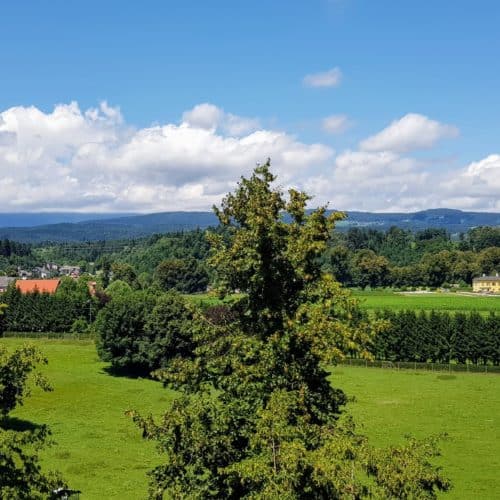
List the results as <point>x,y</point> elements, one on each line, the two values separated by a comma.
<point>486,284</point>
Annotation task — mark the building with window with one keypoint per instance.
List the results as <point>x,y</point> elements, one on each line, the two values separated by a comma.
<point>486,284</point>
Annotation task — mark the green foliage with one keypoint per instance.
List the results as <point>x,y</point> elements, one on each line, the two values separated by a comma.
<point>369,269</point>
<point>16,369</point>
<point>79,326</point>
<point>120,328</point>
<point>482,237</point>
<point>369,257</point>
<point>258,417</point>
<point>124,272</point>
<point>183,275</point>
<point>140,331</point>
<point>169,330</point>
<point>118,288</point>
<point>42,312</point>
<point>21,476</point>
<point>439,337</point>
<point>406,472</point>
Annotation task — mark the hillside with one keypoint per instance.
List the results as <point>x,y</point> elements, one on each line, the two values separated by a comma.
<point>81,227</point>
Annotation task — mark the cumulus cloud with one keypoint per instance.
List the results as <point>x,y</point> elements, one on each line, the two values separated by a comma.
<point>330,78</point>
<point>477,186</point>
<point>70,159</point>
<point>91,160</point>
<point>210,117</point>
<point>409,133</point>
<point>380,181</point>
<point>336,124</point>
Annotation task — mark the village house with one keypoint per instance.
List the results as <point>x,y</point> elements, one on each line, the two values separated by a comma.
<point>41,286</point>
<point>23,273</point>
<point>48,270</point>
<point>5,281</point>
<point>486,284</point>
<point>73,271</point>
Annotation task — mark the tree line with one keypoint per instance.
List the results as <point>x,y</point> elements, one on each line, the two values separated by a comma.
<point>357,257</point>
<point>71,307</point>
<point>438,337</point>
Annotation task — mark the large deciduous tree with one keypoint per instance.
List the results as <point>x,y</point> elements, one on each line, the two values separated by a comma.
<point>258,417</point>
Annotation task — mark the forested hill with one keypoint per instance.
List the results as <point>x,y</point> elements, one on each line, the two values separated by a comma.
<point>123,227</point>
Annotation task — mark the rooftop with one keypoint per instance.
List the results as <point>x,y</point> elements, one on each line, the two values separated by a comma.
<point>487,278</point>
<point>41,286</point>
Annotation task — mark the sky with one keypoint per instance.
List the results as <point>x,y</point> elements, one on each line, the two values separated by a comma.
<point>163,105</point>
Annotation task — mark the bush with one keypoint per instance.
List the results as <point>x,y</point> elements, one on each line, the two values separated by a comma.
<point>79,326</point>
<point>140,332</point>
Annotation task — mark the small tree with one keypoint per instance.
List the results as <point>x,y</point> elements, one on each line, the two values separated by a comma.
<point>168,330</point>
<point>183,275</point>
<point>120,328</point>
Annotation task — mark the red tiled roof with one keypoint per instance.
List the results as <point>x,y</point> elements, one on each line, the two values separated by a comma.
<point>42,286</point>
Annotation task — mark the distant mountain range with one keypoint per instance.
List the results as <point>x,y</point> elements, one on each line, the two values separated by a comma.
<point>37,227</point>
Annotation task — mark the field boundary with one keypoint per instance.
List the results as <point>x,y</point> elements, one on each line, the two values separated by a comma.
<point>48,335</point>
<point>415,365</point>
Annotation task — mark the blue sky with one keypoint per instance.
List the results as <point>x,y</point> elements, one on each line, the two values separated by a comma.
<point>435,63</point>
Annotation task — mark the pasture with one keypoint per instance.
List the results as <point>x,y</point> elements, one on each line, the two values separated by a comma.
<point>100,451</point>
<point>385,299</point>
<point>97,447</point>
<point>439,301</point>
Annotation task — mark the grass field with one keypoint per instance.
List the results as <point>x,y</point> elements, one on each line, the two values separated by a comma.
<point>101,452</point>
<point>381,299</point>
<point>389,404</point>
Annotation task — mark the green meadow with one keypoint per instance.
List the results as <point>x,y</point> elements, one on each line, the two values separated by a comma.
<point>97,447</point>
<point>101,452</point>
<point>385,299</point>
<point>439,301</point>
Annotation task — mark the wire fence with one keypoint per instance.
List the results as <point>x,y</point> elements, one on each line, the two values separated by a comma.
<point>49,335</point>
<point>377,363</point>
<point>433,367</point>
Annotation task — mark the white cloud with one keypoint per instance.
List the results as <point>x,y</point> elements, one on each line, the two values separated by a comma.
<point>204,115</point>
<point>409,133</point>
<point>381,181</point>
<point>70,159</point>
<point>336,124</point>
<point>477,186</point>
<point>330,78</point>
<point>210,117</point>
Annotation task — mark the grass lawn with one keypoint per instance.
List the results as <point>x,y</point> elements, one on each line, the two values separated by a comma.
<point>101,452</point>
<point>381,299</point>
<point>210,299</point>
<point>389,404</point>
<point>98,449</point>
